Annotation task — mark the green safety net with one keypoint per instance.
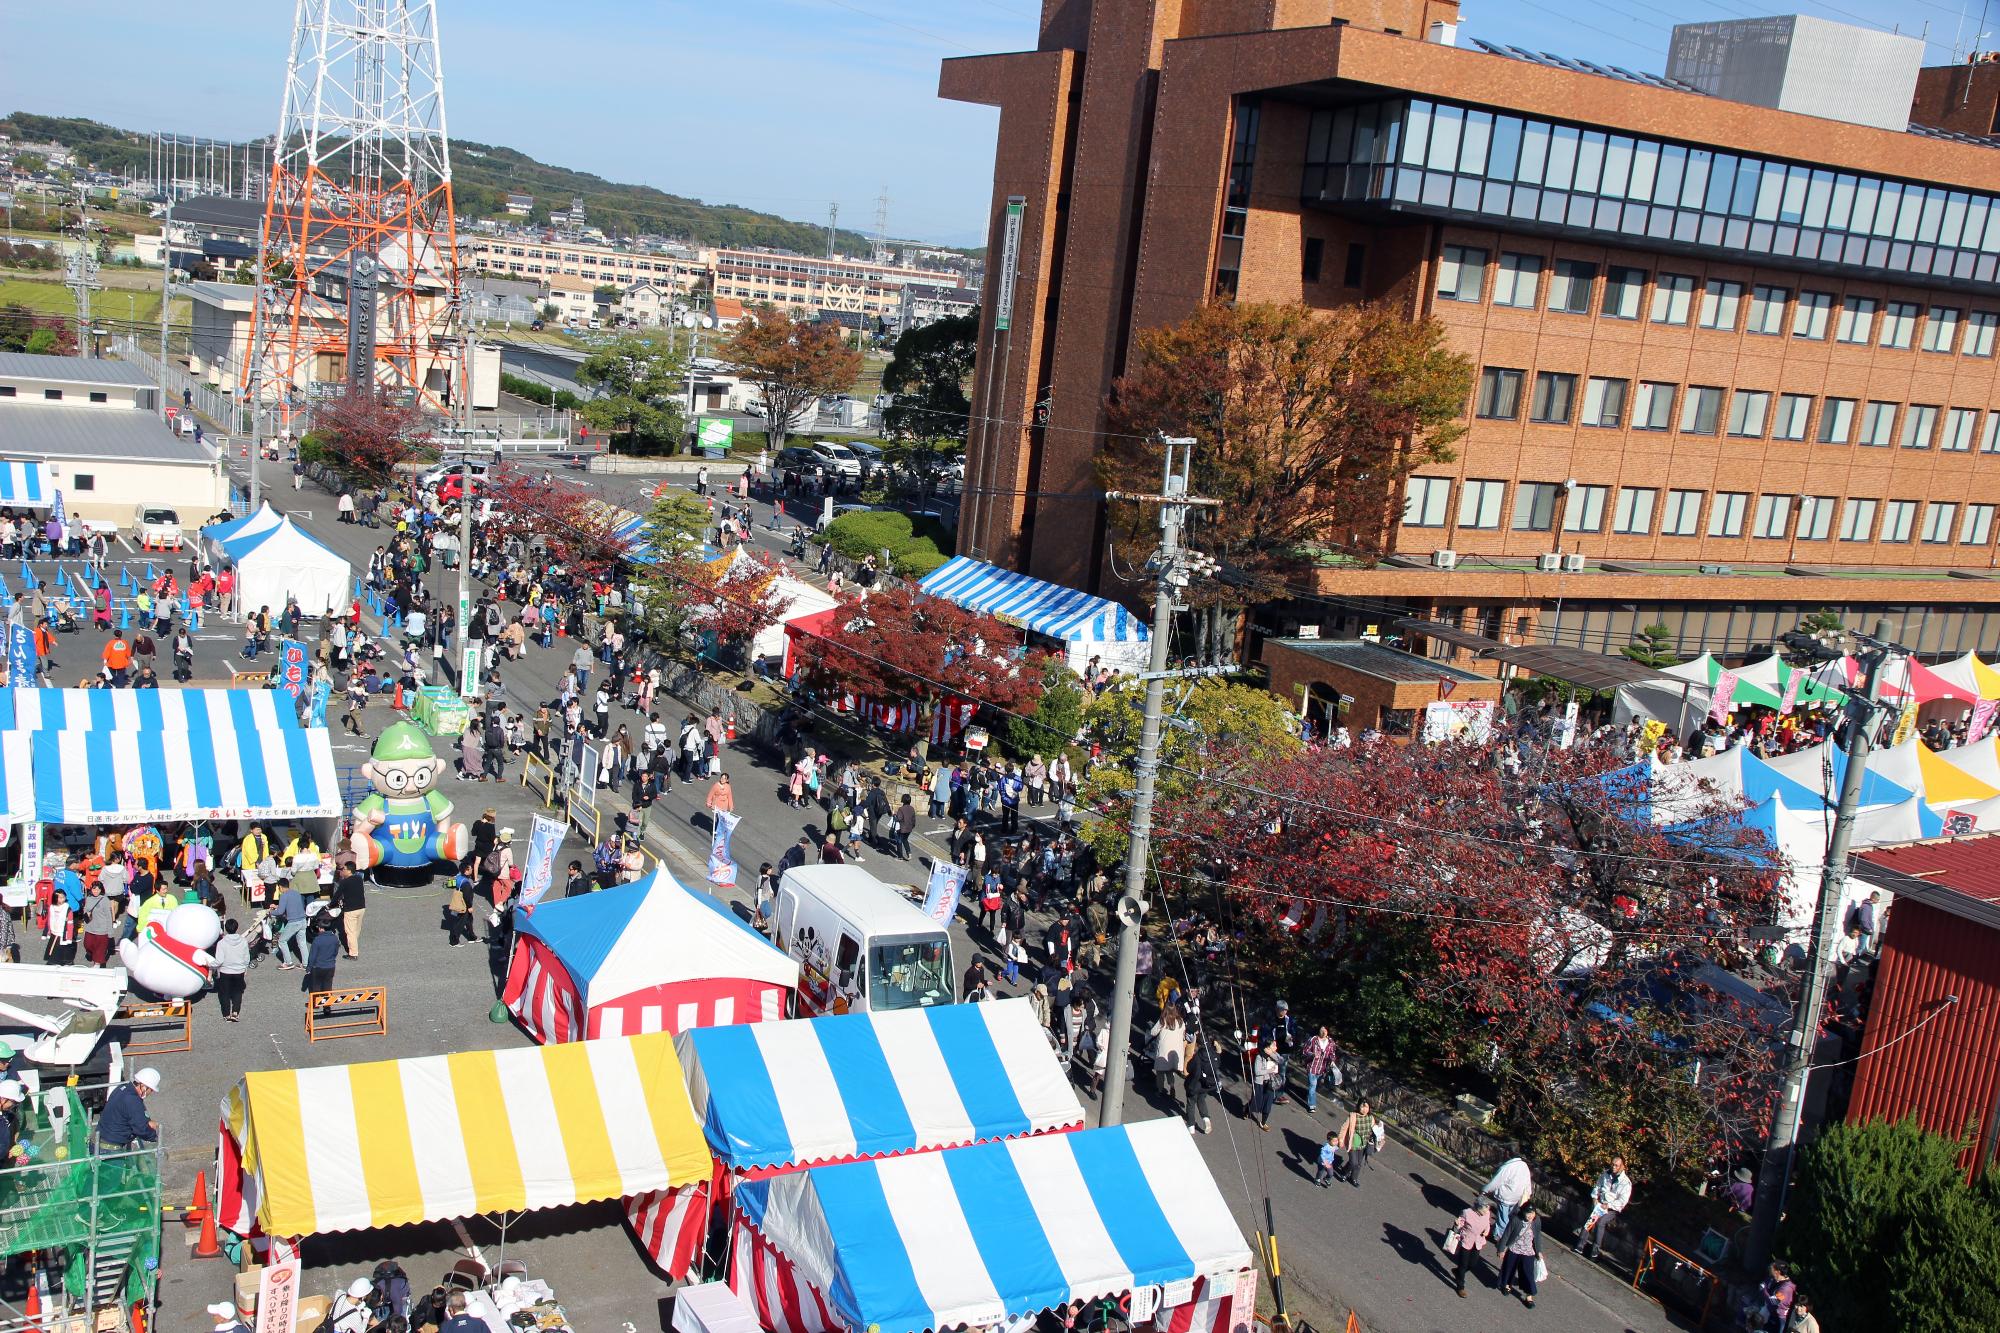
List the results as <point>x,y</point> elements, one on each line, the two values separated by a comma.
<point>69,1198</point>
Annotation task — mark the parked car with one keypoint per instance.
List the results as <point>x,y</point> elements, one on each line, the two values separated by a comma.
<point>156,527</point>
<point>797,456</point>
<point>872,456</point>
<point>838,459</point>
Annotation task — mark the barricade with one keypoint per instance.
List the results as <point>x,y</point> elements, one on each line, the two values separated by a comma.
<point>168,1025</point>
<point>538,776</point>
<point>1674,1281</point>
<point>243,679</point>
<point>349,1011</point>
<point>587,820</point>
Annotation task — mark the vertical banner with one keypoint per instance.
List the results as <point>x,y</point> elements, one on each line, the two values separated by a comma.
<point>278,1297</point>
<point>21,657</point>
<point>31,852</point>
<point>1982,720</point>
<point>544,841</point>
<point>468,671</point>
<point>1906,721</point>
<point>941,896</point>
<point>292,668</point>
<point>322,692</point>
<point>1566,729</point>
<point>1725,692</point>
<point>1791,696</point>
<point>1010,254</point>
<point>722,870</point>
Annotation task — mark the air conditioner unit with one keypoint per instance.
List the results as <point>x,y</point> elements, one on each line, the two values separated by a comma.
<point>1443,559</point>
<point>1549,563</point>
<point>1715,569</point>
<point>1573,563</point>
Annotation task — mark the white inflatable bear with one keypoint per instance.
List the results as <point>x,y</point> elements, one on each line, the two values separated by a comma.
<point>170,957</point>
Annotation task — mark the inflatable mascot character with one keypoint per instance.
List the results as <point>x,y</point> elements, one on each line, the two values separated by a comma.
<point>171,956</point>
<point>405,822</point>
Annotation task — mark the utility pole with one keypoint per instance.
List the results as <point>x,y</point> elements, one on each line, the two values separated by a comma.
<point>1172,567</point>
<point>83,267</point>
<point>1781,1147</point>
<point>832,218</point>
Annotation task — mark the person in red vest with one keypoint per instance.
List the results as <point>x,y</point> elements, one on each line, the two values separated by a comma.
<point>118,660</point>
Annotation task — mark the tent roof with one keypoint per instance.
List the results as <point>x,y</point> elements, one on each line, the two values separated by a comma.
<point>257,521</point>
<point>1980,760</point>
<point>996,1231</point>
<point>1879,786</point>
<point>446,1136</point>
<point>1035,604</point>
<point>219,772</point>
<point>17,782</point>
<point>650,933</point>
<point>29,709</point>
<point>285,542</point>
<point>1677,792</point>
<point>863,1085</point>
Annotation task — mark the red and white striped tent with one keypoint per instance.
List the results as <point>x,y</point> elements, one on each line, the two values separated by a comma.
<point>650,956</point>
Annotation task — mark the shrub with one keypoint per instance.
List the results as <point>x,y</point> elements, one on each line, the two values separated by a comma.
<point>913,548</point>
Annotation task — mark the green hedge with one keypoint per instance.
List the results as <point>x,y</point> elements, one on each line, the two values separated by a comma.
<point>915,547</point>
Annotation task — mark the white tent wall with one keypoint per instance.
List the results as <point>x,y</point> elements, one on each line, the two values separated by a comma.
<point>288,563</point>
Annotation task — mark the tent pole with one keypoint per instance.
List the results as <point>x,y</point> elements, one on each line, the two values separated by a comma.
<point>1680,728</point>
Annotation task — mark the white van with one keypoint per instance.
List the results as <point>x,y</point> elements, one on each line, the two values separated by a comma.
<point>860,944</point>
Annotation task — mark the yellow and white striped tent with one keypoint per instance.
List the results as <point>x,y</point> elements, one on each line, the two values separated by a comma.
<point>307,1151</point>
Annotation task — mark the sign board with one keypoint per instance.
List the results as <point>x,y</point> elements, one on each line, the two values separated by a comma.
<point>468,671</point>
<point>715,433</point>
<point>942,893</point>
<point>1471,720</point>
<point>587,764</point>
<point>1010,253</point>
<point>278,1297</point>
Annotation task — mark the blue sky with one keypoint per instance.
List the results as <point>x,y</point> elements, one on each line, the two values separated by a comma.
<point>782,105</point>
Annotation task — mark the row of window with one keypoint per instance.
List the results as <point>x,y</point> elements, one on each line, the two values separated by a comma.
<point>1719,303</point>
<point>1611,403</point>
<point>1641,511</point>
<point>54,395</point>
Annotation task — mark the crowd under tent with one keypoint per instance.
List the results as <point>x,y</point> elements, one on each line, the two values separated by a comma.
<point>650,956</point>
<point>1084,626</point>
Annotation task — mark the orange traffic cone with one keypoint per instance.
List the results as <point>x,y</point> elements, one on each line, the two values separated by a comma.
<point>198,1207</point>
<point>34,1310</point>
<point>730,729</point>
<point>206,1246</point>
<point>138,1317</point>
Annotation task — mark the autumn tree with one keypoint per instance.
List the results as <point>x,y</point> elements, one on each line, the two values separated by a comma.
<point>792,363</point>
<point>367,434</point>
<point>1306,424</point>
<point>561,522</point>
<point>639,381</point>
<point>1542,931</point>
<point>900,643</point>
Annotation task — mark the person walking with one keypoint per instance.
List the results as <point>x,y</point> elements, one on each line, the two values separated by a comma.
<point>321,954</point>
<point>458,907</point>
<point>1204,1081</point>
<point>1320,1053</point>
<point>1357,1139</point>
<point>1607,1199</point>
<point>232,967</point>
<point>902,826</point>
<point>1469,1235</point>
<point>291,917</point>
<point>1521,1255</point>
<point>1509,1189</point>
<point>721,799</point>
<point>100,922</point>
<point>1264,1085</point>
<point>351,892</point>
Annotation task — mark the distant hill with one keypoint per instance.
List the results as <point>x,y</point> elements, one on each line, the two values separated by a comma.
<point>483,176</point>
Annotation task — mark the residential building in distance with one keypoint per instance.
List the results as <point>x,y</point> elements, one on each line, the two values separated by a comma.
<point>924,303</point>
<point>520,255</point>
<point>800,282</point>
<point>520,205</point>
<point>1733,364</point>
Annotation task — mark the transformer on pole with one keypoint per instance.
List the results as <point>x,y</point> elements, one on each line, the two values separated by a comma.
<point>358,201</point>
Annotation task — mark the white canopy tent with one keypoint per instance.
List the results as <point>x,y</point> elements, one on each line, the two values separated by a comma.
<point>218,537</point>
<point>286,561</point>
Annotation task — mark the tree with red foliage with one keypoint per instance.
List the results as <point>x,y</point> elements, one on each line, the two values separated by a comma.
<point>1544,933</point>
<point>792,362</point>
<point>899,643</point>
<point>366,434</point>
<point>567,525</point>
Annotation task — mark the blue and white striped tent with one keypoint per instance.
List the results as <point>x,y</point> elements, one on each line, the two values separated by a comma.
<point>995,1232</point>
<point>23,709</point>
<point>17,778</point>
<point>1087,626</point>
<point>197,772</point>
<point>24,482</point>
<point>866,1085</point>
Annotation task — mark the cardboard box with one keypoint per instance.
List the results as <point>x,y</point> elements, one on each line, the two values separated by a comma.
<point>246,1290</point>
<point>312,1312</point>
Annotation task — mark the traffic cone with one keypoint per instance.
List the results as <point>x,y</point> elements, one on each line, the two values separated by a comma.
<point>34,1308</point>
<point>198,1206</point>
<point>205,1246</point>
<point>730,729</point>
<point>138,1317</point>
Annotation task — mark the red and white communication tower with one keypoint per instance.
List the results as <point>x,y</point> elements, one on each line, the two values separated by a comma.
<point>359,285</point>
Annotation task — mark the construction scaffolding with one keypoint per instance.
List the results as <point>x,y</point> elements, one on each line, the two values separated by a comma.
<point>86,1225</point>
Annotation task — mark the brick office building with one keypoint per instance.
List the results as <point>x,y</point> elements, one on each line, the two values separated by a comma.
<point>1735,363</point>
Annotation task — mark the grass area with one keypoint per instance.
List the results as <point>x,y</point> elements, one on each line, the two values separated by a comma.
<point>869,382</point>
<point>136,301</point>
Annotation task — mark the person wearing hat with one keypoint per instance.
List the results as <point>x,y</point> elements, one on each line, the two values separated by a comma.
<point>350,1313</point>
<point>503,869</point>
<point>17,1059</point>
<point>1741,1192</point>
<point>12,1094</point>
<point>124,1121</point>
<point>226,1318</point>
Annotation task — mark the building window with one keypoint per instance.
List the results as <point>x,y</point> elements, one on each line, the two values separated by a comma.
<point>1721,302</point>
<point>1809,319</point>
<point>1878,422</point>
<point>1940,516</point>
<point>1725,516</point>
<point>1635,509</point>
<point>1978,525</point>
<point>1941,329</point>
<point>1767,310</point>
<point>1701,410</point>
<point>1794,411</point>
<point>1774,515</point>
<point>1897,518</point>
<point>1919,423</point>
<point>1624,290</point>
<point>1682,516</point>
<point>1979,328</point>
<point>1555,398</point>
<point>53,395</point>
<point>1425,502</point>
<point>1815,517</point>
<point>97,397</point>
<point>1959,424</point>
<point>1585,510</point>
<point>1461,273</point>
<point>1857,520</point>
<point>1836,421</point>
<point>1989,435</point>
<point>1857,317</point>
<point>1747,411</point>
<point>1499,394</point>
<point>1604,402</point>
<point>6,391</point>
<point>1655,407</point>
<point>1479,503</point>
<point>1569,286</point>
<point>1517,279</point>
<point>1315,254</point>
<point>1357,265</point>
<point>1899,324</point>
<point>84,481</point>
<point>1673,298</point>
<point>1534,506</point>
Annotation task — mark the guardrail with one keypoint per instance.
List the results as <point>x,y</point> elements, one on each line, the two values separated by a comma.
<point>1691,1286</point>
